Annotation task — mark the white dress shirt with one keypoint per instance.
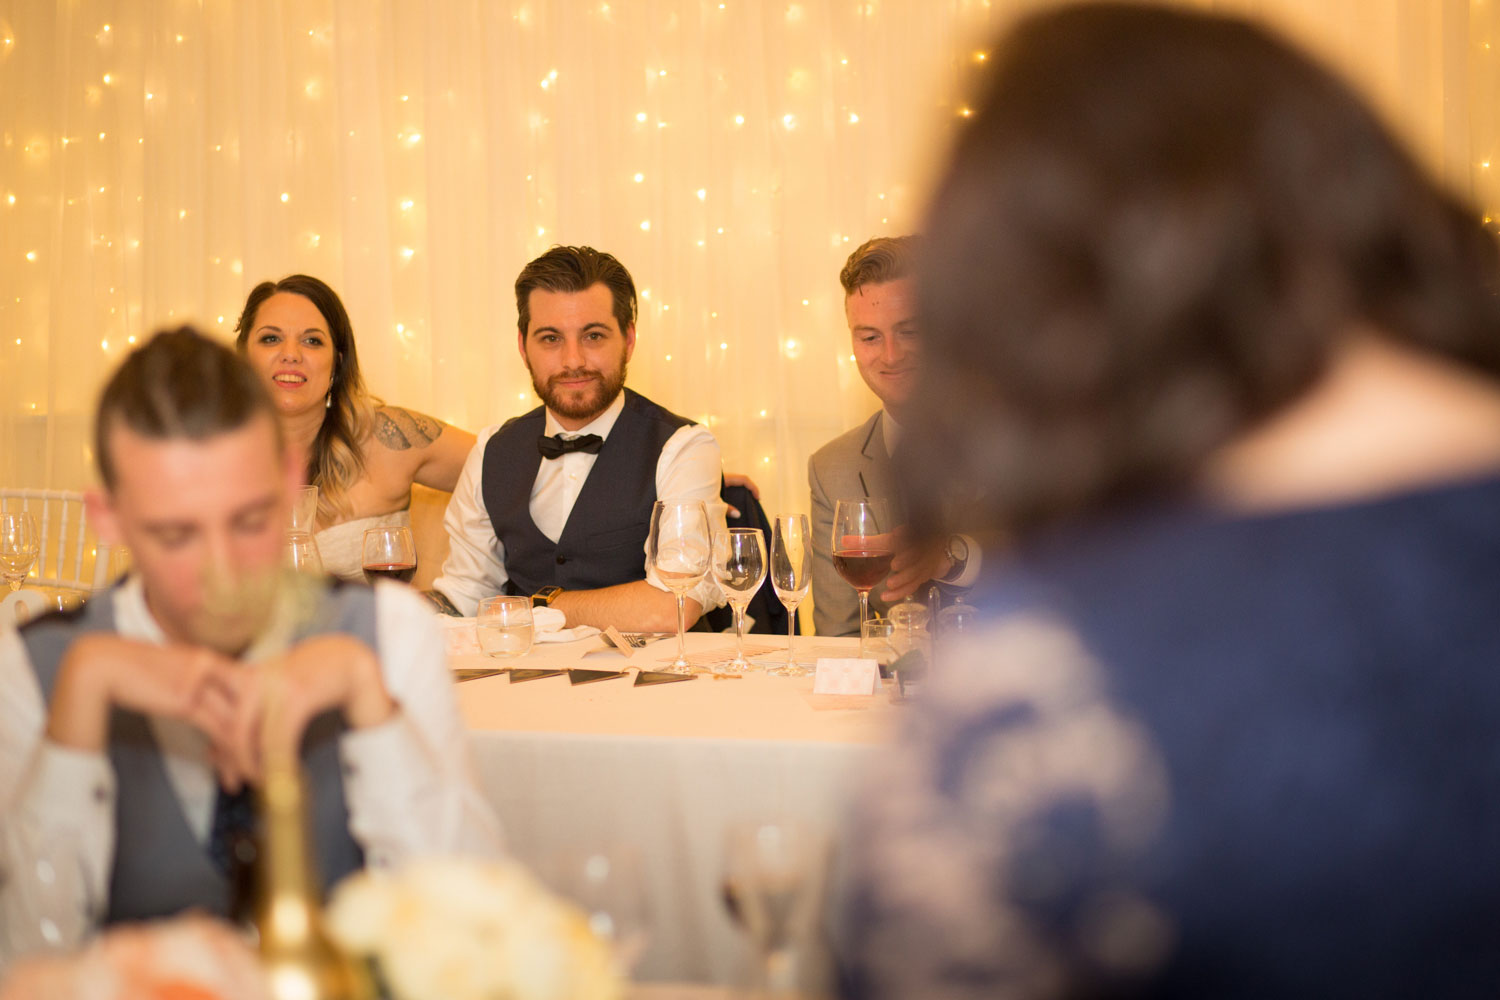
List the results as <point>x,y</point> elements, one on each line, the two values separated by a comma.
<point>689,466</point>
<point>408,782</point>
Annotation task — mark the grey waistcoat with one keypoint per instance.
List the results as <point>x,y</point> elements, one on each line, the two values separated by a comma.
<point>160,868</point>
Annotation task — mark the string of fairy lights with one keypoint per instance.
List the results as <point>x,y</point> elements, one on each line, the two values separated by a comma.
<point>735,152</point>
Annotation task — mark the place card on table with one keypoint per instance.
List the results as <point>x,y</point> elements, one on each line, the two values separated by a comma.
<point>846,676</point>
<point>614,638</point>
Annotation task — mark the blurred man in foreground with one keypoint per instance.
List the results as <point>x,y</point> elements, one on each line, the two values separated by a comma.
<point>130,731</point>
<point>1222,363</point>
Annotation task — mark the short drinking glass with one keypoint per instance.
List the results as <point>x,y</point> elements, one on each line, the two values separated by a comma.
<point>389,552</point>
<point>504,626</point>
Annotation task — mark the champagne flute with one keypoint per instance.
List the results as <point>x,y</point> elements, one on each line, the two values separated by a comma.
<point>19,546</point>
<point>739,569</point>
<point>389,552</point>
<point>678,550</point>
<point>769,870</point>
<point>791,576</point>
<point>862,548</point>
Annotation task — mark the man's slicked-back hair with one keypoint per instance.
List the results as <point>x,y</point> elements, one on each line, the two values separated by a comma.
<point>574,269</point>
<point>885,258</point>
<point>179,384</point>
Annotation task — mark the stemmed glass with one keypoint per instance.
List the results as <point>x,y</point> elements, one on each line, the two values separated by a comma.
<point>609,884</point>
<point>739,569</point>
<point>791,575</point>
<point>678,550</point>
<point>862,548</point>
<point>769,870</point>
<point>389,552</point>
<point>19,546</point>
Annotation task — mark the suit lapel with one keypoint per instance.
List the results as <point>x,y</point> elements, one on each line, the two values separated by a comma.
<point>875,473</point>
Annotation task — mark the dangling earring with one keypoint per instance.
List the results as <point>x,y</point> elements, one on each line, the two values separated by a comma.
<point>328,401</point>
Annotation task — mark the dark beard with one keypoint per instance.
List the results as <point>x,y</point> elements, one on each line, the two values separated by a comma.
<point>590,403</point>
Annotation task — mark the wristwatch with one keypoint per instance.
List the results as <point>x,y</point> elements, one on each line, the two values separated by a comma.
<point>958,554</point>
<point>543,598</point>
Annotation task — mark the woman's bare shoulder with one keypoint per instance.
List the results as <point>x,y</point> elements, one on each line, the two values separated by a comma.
<point>400,429</point>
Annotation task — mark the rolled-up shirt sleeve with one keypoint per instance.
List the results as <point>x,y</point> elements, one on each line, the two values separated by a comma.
<point>690,467</point>
<point>56,820</point>
<point>475,568</point>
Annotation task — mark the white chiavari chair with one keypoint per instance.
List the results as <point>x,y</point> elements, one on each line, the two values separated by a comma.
<point>71,557</point>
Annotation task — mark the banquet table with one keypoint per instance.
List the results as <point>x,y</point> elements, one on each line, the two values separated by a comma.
<point>665,769</point>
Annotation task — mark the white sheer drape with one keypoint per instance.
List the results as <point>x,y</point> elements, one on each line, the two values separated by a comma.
<point>159,159</point>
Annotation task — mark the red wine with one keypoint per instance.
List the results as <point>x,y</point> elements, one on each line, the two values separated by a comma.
<point>393,571</point>
<point>863,568</point>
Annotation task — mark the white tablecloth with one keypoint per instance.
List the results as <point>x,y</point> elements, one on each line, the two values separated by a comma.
<point>666,769</point>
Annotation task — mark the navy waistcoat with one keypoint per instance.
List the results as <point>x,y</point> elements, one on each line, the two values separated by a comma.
<point>603,542</point>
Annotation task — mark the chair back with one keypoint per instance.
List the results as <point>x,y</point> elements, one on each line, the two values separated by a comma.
<point>765,608</point>
<point>70,556</point>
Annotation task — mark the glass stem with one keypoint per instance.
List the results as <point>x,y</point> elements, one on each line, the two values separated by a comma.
<point>739,633</point>
<point>791,630</point>
<point>681,629</point>
<point>864,614</point>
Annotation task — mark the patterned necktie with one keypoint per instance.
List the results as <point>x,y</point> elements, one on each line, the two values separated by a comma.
<point>557,446</point>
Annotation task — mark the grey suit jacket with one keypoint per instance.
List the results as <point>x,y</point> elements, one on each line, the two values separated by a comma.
<point>853,465</point>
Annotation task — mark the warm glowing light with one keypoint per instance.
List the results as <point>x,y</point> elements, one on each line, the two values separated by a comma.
<point>101,136</point>
<point>150,96</point>
<point>414,138</point>
<point>790,121</point>
<point>182,213</point>
<point>805,302</point>
<point>179,39</point>
<point>131,339</point>
<point>723,346</point>
<point>981,56</point>
<point>285,197</point>
<point>106,27</point>
<point>405,98</point>
<point>966,112</point>
<point>645,225</point>
<point>640,116</point>
<point>703,194</point>
<point>639,178</point>
<point>104,344</point>
<point>669,357</point>
<point>739,119</point>
<point>406,205</point>
<point>407,253</point>
<point>108,78</point>
<point>762,412</point>
<point>541,230</point>
<point>853,118</point>
<point>31,255</point>
<point>10,199</point>
<point>662,73</point>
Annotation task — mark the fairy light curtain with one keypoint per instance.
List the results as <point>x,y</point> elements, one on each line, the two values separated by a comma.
<point>156,160</point>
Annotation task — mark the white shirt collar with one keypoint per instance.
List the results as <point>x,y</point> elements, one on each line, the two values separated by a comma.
<point>600,425</point>
<point>890,431</point>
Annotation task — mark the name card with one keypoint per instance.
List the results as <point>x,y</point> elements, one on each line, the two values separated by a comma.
<point>846,676</point>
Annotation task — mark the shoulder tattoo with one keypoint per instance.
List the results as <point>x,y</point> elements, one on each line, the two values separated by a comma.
<point>400,429</point>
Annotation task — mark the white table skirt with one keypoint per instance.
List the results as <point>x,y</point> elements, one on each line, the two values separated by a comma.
<point>666,769</point>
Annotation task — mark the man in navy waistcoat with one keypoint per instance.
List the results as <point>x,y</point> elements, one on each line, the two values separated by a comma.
<point>130,730</point>
<point>556,504</point>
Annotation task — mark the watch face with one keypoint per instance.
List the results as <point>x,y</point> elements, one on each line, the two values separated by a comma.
<point>958,549</point>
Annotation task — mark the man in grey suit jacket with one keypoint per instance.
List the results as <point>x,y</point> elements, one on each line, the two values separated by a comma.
<point>880,306</point>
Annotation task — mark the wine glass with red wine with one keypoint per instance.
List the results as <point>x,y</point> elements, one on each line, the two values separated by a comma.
<point>389,553</point>
<point>863,547</point>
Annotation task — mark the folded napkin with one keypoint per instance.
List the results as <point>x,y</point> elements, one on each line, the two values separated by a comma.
<point>546,626</point>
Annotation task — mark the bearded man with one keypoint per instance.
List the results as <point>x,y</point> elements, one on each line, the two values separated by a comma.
<point>556,504</point>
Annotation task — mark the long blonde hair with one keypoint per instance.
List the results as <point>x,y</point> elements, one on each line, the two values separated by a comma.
<point>337,460</point>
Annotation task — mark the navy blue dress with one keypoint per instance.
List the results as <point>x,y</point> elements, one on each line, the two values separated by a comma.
<point>1197,755</point>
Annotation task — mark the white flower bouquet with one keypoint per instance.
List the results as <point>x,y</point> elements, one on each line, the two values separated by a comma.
<point>466,930</point>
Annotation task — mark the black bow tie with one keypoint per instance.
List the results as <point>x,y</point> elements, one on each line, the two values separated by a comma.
<point>558,446</point>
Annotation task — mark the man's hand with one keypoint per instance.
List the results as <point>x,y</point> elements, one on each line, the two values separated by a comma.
<point>740,479</point>
<point>275,701</point>
<point>913,566</point>
<point>101,671</point>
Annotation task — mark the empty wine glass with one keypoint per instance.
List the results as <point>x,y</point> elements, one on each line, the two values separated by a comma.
<point>609,885</point>
<point>863,548</point>
<point>389,552</point>
<point>770,867</point>
<point>677,549</point>
<point>302,553</point>
<point>739,565</point>
<point>791,576</point>
<point>19,545</point>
